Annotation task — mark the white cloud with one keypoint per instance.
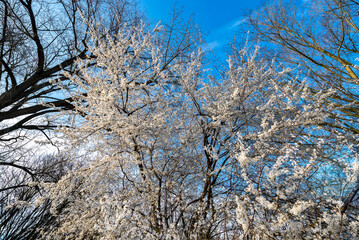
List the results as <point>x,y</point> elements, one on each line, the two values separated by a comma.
<point>238,22</point>
<point>212,45</point>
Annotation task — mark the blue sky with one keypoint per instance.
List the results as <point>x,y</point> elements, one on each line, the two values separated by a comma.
<point>219,19</point>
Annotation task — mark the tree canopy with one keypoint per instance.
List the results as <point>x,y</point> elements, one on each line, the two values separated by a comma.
<point>156,144</point>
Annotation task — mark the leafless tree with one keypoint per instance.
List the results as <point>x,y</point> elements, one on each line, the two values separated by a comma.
<point>320,38</point>
<point>38,40</point>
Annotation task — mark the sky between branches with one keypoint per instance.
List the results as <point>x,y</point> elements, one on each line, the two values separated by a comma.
<point>219,20</point>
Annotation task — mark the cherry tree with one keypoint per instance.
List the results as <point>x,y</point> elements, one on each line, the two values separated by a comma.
<point>171,151</point>
<point>297,170</point>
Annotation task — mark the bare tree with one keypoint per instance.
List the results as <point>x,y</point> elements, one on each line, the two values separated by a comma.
<point>320,38</point>
<point>38,40</point>
<point>24,221</point>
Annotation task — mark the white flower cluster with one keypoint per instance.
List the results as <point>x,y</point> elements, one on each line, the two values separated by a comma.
<point>170,148</point>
